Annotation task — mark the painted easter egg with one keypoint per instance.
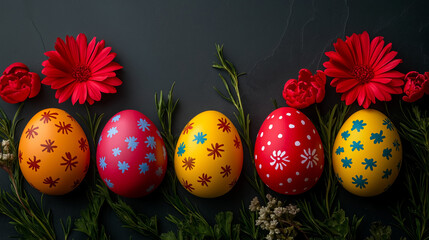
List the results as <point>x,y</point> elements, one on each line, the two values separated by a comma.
<point>53,152</point>
<point>131,155</point>
<point>289,154</point>
<point>209,155</point>
<point>367,153</point>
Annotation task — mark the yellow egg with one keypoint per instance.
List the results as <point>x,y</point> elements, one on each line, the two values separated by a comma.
<point>53,152</point>
<point>367,153</point>
<point>209,155</point>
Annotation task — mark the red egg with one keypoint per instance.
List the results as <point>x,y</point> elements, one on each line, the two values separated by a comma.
<point>288,152</point>
<point>131,155</point>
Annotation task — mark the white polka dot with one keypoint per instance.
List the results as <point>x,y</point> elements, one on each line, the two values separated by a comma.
<point>260,166</point>
<point>289,180</point>
<point>320,146</point>
<point>316,179</point>
<point>298,112</point>
<point>256,157</point>
<point>302,122</point>
<point>263,148</point>
<point>268,143</point>
<point>270,127</point>
<point>268,175</point>
<point>272,116</point>
<point>268,117</point>
<point>288,114</point>
<point>262,134</point>
<point>306,179</point>
<point>280,135</point>
<point>294,190</point>
<point>297,143</point>
<point>305,188</point>
<point>297,173</point>
<point>321,166</point>
<point>308,137</point>
<point>314,131</point>
<point>291,126</point>
<point>286,192</point>
<point>281,184</point>
<point>281,117</point>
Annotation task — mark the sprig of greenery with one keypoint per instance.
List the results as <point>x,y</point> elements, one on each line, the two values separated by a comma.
<point>144,225</point>
<point>334,224</point>
<point>233,97</point>
<point>414,128</point>
<point>379,232</point>
<point>29,220</point>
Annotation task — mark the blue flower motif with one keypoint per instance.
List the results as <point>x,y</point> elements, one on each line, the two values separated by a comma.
<point>103,163</point>
<point>387,173</point>
<point>108,183</point>
<point>345,135</point>
<point>151,157</point>
<point>377,137</point>
<point>150,141</point>
<point>370,163</point>
<point>396,144</point>
<point>123,166</point>
<point>359,181</point>
<point>388,124</point>
<point>346,162</point>
<point>200,138</point>
<point>356,146</point>
<point>181,149</point>
<point>387,152</point>
<point>143,168</point>
<point>339,150</point>
<point>339,178</point>
<point>159,171</point>
<point>358,125</point>
<point>116,152</point>
<point>112,131</point>
<point>116,118</point>
<point>132,143</point>
<point>143,125</point>
<point>99,140</point>
<point>150,188</point>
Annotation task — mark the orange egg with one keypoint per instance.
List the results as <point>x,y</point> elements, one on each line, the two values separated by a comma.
<point>53,152</point>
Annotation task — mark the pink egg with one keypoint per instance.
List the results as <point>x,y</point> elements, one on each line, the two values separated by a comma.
<point>131,155</point>
<point>289,154</point>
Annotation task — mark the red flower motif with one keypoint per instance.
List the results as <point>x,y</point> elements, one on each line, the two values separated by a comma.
<point>80,70</point>
<point>46,116</point>
<point>363,70</point>
<point>34,164</point>
<point>416,85</point>
<point>308,89</point>
<point>51,181</point>
<point>82,144</point>
<point>187,128</point>
<point>17,83</point>
<point>187,185</point>
<point>224,125</point>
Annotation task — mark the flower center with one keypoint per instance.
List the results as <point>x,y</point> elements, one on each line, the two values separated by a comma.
<point>81,73</point>
<point>363,73</point>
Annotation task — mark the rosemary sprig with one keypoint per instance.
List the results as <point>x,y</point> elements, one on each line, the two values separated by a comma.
<point>233,97</point>
<point>29,220</point>
<point>144,225</point>
<point>88,222</point>
<point>334,224</point>
<point>414,219</point>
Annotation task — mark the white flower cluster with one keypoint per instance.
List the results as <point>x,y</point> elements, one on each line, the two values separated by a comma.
<point>5,157</point>
<point>275,218</point>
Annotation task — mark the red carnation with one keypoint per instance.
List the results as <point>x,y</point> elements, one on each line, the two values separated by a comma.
<point>308,89</point>
<point>17,83</point>
<point>363,70</point>
<point>80,70</point>
<point>416,85</point>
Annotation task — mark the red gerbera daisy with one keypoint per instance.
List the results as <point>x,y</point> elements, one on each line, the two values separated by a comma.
<point>362,70</point>
<point>80,70</point>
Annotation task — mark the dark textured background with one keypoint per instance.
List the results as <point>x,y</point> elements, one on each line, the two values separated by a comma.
<point>159,42</point>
